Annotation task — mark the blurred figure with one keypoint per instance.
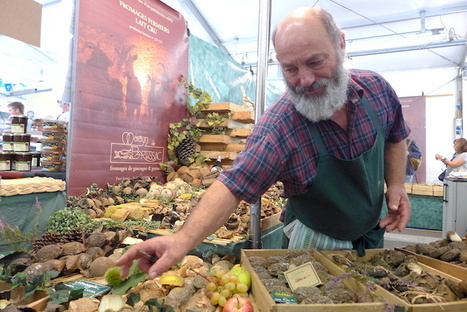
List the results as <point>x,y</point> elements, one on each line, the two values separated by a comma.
<point>412,152</point>
<point>458,160</point>
<point>65,115</point>
<point>30,115</point>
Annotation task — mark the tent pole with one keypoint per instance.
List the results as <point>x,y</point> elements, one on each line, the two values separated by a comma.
<point>264,25</point>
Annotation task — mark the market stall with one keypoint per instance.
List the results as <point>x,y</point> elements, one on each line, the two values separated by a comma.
<point>138,160</point>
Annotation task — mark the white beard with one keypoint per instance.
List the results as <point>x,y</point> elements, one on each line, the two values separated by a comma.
<point>321,107</point>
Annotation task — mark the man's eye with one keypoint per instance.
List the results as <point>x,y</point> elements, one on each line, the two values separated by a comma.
<point>290,71</point>
<point>315,63</point>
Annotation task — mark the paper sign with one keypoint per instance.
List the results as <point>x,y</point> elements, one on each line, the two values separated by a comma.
<point>303,275</point>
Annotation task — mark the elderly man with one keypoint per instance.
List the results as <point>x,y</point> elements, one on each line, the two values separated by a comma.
<point>334,138</point>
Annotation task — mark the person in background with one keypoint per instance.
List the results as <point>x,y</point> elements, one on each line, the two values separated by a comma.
<point>30,115</point>
<point>458,161</point>
<point>334,139</point>
<point>65,114</point>
<point>15,108</point>
<point>412,152</point>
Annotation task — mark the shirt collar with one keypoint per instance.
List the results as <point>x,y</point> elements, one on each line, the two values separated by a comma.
<point>355,91</point>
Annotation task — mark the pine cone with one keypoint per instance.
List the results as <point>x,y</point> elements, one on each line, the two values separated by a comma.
<point>185,150</point>
<point>47,238</point>
<point>73,235</point>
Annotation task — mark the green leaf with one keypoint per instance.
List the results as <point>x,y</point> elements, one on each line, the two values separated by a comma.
<point>133,298</point>
<point>60,296</point>
<point>135,277</point>
<point>19,279</point>
<point>76,293</point>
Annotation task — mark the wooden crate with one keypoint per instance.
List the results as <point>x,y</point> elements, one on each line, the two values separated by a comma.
<point>38,301</point>
<point>270,222</point>
<point>438,190</point>
<point>422,189</point>
<point>408,188</point>
<point>455,306</point>
<point>225,107</point>
<point>450,268</point>
<point>265,302</point>
<point>239,126</point>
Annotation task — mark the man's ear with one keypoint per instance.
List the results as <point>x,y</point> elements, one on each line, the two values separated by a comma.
<point>343,43</point>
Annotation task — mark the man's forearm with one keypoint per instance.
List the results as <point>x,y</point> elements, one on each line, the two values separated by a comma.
<point>395,157</point>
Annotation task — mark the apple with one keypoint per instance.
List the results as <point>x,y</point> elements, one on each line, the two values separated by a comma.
<point>238,304</point>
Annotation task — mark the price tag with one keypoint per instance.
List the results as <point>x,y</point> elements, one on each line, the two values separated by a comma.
<point>284,298</point>
<point>303,275</point>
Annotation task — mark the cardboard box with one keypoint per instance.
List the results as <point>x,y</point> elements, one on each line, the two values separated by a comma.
<point>265,302</point>
<point>454,306</point>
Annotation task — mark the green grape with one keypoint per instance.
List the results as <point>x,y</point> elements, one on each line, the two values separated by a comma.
<point>215,298</point>
<point>233,278</point>
<point>230,286</point>
<point>219,274</point>
<point>226,278</point>
<point>226,293</point>
<point>222,301</point>
<point>242,294</point>
<point>211,286</point>
<point>212,278</point>
<point>242,288</point>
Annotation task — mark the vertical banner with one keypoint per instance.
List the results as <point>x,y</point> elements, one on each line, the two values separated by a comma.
<point>131,59</point>
<point>414,109</point>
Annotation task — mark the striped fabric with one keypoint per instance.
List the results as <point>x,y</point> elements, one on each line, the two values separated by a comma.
<point>302,237</point>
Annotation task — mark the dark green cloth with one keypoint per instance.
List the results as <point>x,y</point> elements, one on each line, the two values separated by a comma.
<point>29,213</point>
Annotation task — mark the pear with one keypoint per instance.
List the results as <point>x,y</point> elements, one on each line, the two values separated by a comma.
<point>242,274</point>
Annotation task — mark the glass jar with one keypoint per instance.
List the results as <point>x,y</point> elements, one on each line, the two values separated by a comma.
<point>19,123</point>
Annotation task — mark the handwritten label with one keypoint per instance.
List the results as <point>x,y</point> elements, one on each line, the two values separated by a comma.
<point>303,275</point>
<point>284,298</point>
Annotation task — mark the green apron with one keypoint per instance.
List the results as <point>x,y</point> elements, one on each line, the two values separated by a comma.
<point>346,198</point>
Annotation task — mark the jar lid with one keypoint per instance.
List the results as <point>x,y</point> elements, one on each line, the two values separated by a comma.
<point>53,122</point>
<point>50,152</point>
<point>51,162</point>
<point>21,134</point>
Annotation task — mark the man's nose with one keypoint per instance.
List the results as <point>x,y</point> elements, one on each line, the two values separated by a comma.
<point>307,77</point>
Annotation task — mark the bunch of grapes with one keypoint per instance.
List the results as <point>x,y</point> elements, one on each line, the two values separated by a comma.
<point>222,286</point>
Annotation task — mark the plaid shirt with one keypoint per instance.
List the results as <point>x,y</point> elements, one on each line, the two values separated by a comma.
<point>281,148</point>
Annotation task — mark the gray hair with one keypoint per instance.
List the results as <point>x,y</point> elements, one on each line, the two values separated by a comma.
<point>328,21</point>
